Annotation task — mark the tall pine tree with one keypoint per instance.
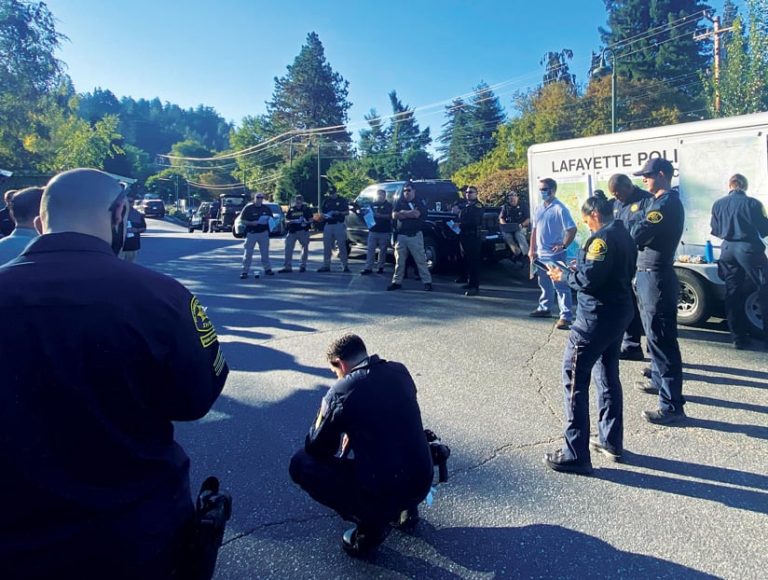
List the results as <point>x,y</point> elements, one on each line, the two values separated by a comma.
<point>455,138</point>
<point>486,115</point>
<point>311,95</point>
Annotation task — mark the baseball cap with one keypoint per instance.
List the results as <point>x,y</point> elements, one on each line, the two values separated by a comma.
<point>656,165</point>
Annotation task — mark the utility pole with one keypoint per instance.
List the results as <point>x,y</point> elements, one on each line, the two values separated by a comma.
<point>715,34</point>
<point>290,152</point>
<point>318,175</point>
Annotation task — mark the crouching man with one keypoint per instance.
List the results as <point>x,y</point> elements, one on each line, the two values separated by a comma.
<point>366,455</point>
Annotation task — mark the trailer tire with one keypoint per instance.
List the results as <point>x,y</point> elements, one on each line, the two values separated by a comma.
<point>693,303</point>
<point>754,318</point>
<point>432,254</point>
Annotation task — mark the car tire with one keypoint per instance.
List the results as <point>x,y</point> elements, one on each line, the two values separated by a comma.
<point>754,318</point>
<point>191,230</point>
<point>694,303</point>
<point>432,253</point>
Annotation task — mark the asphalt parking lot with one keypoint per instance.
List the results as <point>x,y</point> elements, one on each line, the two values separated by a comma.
<point>689,501</point>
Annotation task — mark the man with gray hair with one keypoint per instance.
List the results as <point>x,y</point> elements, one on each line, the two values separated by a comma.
<point>24,208</point>
<point>104,355</point>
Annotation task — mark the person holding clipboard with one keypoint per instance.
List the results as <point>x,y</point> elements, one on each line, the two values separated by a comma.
<point>378,218</point>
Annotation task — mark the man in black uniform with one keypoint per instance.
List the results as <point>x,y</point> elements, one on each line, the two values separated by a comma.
<point>740,221</point>
<point>6,222</point>
<point>99,357</point>
<point>366,455</point>
<point>657,236</point>
<point>135,225</point>
<point>299,220</point>
<point>409,212</point>
<point>514,217</point>
<point>470,218</point>
<point>379,233</point>
<point>255,217</point>
<point>334,210</point>
<point>603,279</point>
<point>629,207</point>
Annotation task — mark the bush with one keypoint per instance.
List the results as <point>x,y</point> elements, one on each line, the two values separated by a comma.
<point>491,189</point>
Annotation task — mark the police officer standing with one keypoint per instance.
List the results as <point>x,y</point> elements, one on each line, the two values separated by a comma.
<point>410,213</point>
<point>334,210</point>
<point>99,357</point>
<point>366,455</point>
<point>255,217</point>
<point>470,218</point>
<point>603,279</point>
<point>629,207</point>
<point>657,236</point>
<point>379,233</point>
<point>740,221</point>
<point>299,219</point>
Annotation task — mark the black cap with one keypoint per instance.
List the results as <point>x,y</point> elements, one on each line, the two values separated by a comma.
<point>656,165</point>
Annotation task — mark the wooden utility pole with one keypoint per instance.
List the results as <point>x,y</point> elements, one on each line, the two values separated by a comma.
<point>715,34</point>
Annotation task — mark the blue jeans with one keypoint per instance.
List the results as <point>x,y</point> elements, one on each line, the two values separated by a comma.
<point>549,289</point>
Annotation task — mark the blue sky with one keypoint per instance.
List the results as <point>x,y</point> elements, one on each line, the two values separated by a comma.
<point>226,53</point>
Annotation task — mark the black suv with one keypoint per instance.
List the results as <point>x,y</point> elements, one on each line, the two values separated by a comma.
<point>153,208</point>
<point>441,244</point>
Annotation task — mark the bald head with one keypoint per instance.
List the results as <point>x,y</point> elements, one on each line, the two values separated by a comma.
<point>85,201</point>
<point>620,186</point>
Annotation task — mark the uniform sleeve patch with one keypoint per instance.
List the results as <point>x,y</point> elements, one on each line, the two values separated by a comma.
<point>202,323</point>
<point>634,207</point>
<point>597,250</point>
<point>654,216</point>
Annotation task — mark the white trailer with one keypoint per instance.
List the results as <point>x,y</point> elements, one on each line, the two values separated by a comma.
<point>705,154</point>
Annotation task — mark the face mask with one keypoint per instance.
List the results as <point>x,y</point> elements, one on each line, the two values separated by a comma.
<point>545,195</point>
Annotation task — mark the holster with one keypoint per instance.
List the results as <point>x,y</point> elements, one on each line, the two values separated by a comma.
<point>213,509</point>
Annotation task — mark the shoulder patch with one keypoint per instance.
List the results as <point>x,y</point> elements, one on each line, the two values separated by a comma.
<point>654,216</point>
<point>634,207</point>
<point>202,323</point>
<point>597,250</point>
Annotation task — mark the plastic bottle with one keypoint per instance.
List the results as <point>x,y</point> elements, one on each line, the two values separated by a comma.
<point>709,253</point>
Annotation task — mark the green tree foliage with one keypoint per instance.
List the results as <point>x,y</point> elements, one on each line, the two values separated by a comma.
<point>374,139</point>
<point>262,164</point>
<point>486,114</point>
<point>168,184</point>
<point>743,83</point>
<point>557,69</point>
<point>454,141</point>
<point>301,178</point>
<point>311,95</point>
<point>349,177</point>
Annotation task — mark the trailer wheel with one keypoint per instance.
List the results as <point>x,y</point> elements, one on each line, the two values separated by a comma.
<point>755,319</point>
<point>693,303</point>
<point>432,254</point>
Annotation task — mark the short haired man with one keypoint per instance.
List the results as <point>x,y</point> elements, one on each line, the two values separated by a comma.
<point>379,233</point>
<point>741,221</point>
<point>334,211</point>
<point>298,219</point>
<point>24,208</point>
<point>409,213</point>
<point>469,214</point>
<point>6,221</point>
<point>366,455</point>
<point>135,225</point>
<point>103,355</point>
<point>629,208</point>
<point>513,219</point>
<point>552,233</point>
<point>657,236</point>
<point>255,217</point>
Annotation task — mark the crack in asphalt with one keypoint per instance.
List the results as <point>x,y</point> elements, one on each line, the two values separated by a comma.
<point>530,370</point>
<point>498,451</point>
<point>277,523</point>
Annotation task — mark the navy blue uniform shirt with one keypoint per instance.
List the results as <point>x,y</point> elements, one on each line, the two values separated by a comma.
<point>99,356</point>
<point>514,214</point>
<point>382,211</point>
<point>634,209</point>
<point>338,208</point>
<point>252,212</point>
<point>410,226</point>
<point>606,265</point>
<point>296,213</point>
<point>376,407</point>
<point>739,218</point>
<point>658,234</point>
<point>470,218</point>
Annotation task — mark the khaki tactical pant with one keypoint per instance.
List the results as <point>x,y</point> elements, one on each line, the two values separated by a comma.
<point>413,245</point>
<point>302,236</point>
<point>251,239</point>
<point>334,233</point>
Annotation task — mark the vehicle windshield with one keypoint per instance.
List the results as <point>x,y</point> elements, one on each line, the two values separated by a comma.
<point>233,201</point>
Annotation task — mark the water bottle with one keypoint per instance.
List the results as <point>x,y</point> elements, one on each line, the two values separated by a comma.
<point>709,253</point>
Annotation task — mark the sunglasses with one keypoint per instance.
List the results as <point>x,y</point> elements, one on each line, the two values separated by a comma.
<point>407,190</point>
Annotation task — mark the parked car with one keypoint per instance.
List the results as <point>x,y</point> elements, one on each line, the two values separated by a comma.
<point>200,217</point>
<point>441,244</point>
<point>152,208</point>
<point>230,206</point>
<point>278,213</point>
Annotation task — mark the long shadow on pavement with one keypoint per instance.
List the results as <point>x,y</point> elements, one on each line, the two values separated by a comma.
<point>535,551</point>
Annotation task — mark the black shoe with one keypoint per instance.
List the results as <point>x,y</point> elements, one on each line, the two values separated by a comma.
<point>345,269</point>
<point>244,275</point>
<point>557,461</point>
<point>428,287</point>
<point>466,286</point>
<point>361,544</point>
<point>646,372</point>
<point>269,272</point>
<point>460,280</point>
<point>646,387</point>
<point>472,292</point>
<point>285,270</point>
<point>741,344</point>
<point>660,417</point>
<point>612,454</point>
<point>540,314</point>
<point>380,271</point>
<point>407,520</point>
<point>394,286</point>
<point>256,276</point>
<point>366,272</point>
<point>302,268</point>
<point>323,269</point>
<point>632,353</point>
